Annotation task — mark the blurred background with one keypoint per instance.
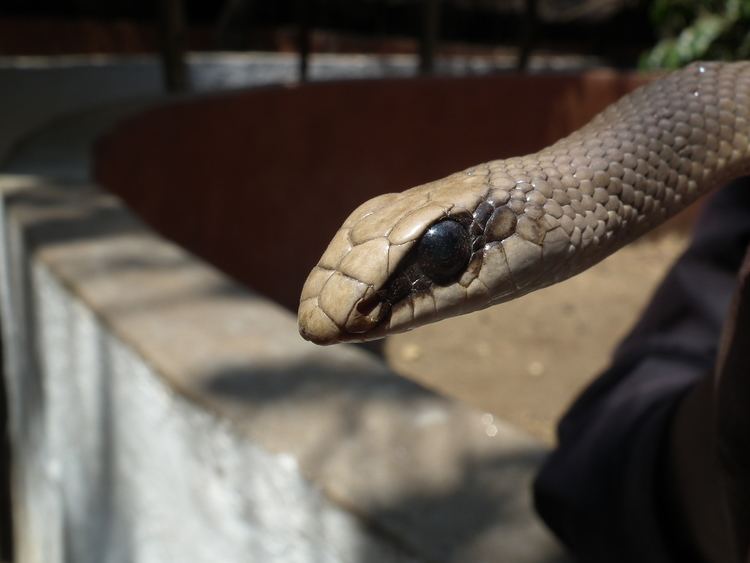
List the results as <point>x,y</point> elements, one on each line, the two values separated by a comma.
<point>245,130</point>
<point>621,33</point>
<point>613,31</point>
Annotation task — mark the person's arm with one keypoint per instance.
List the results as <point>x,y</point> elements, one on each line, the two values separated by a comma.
<point>693,485</point>
<point>709,447</point>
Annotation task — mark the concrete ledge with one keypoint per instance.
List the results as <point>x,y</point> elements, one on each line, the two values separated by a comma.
<point>160,411</point>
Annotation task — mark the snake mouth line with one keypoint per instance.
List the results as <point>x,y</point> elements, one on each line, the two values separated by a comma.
<point>408,279</point>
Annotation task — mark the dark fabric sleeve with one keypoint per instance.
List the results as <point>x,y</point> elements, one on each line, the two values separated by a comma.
<point>598,489</point>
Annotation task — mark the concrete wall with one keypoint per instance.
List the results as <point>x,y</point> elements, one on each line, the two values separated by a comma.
<point>116,466</point>
<point>160,412</point>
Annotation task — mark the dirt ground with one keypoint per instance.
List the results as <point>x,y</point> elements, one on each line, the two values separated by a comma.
<point>526,360</point>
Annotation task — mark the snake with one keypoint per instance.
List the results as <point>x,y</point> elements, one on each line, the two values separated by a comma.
<point>502,229</point>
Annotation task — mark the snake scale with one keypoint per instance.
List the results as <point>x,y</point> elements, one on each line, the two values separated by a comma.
<point>504,228</point>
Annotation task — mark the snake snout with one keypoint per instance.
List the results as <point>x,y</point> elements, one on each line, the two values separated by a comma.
<point>340,300</point>
<point>334,310</point>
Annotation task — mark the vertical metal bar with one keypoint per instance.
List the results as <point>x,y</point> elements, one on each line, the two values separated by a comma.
<point>430,28</point>
<point>304,18</point>
<point>173,45</point>
<point>528,30</point>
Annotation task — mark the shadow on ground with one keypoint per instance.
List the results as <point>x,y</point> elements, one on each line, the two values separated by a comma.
<point>480,502</point>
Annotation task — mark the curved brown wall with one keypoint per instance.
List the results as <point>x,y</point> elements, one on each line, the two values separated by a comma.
<point>257,181</point>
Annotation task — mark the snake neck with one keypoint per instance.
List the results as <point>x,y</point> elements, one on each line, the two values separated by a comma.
<point>639,162</point>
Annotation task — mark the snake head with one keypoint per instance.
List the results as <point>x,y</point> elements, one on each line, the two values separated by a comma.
<point>435,251</point>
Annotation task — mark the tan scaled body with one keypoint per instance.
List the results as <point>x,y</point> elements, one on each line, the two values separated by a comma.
<point>534,220</point>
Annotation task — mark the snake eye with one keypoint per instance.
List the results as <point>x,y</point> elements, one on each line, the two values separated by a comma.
<point>444,251</point>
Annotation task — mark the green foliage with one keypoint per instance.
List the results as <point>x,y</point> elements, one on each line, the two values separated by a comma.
<point>698,29</point>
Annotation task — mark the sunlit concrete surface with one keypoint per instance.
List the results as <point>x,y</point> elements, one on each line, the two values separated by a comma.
<point>160,412</point>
